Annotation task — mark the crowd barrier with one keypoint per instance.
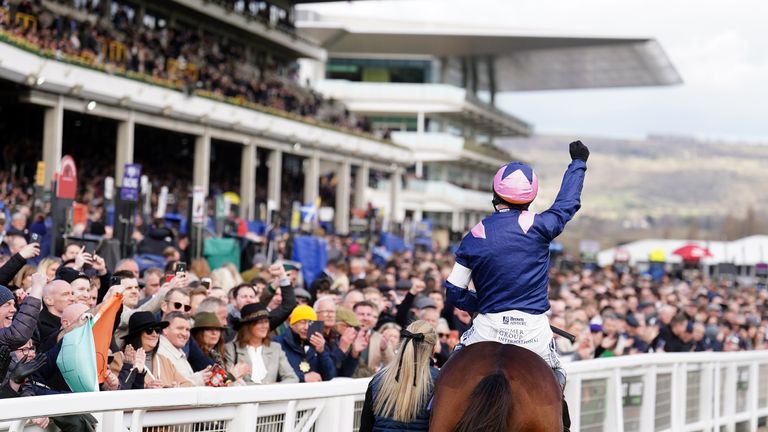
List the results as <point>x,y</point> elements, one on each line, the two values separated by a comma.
<point>710,392</point>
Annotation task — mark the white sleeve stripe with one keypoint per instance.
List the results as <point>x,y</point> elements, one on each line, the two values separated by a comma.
<point>460,276</point>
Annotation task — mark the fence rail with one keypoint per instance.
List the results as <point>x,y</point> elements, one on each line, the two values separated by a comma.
<point>711,392</point>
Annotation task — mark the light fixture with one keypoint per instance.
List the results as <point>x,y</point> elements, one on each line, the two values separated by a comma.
<point>31,79</point>
<point>124,101</point>
<point>76,89</point>
<point>91,105</point>
<point>296,146</point>
<point>40,81</point>
<point>167,111</point>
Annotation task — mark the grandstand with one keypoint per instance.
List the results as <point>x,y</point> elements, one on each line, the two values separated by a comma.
<point>434,87</point>
<point>203,83</point>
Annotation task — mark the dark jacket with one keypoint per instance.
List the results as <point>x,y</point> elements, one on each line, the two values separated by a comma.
<point>370,422</point>
<point>10,268</point>
<point>321,363</point>
<point>346,365</point>
<point>23,326</point>
<point>48,327</point>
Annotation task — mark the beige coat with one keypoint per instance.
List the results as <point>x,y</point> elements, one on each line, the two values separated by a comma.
<point>274,359</point>
<point>162,369</point>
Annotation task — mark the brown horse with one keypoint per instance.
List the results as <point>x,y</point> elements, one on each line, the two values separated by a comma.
<point>492,387</point>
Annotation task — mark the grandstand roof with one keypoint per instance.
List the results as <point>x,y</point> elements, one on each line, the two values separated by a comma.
<point>523,60</point>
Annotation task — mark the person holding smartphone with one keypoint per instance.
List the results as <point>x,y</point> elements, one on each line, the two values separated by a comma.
<point>306,352</point>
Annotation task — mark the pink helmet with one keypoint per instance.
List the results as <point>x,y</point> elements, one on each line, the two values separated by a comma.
<point>516,183</point>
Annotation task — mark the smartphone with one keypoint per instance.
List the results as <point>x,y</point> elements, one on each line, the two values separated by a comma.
<point>115,281</point>
<point>34,238</point>
<point>315,327</point>
<point>181,266</point>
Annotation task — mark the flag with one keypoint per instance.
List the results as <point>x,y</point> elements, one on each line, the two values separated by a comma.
<point>103,327</point>
<point>76,361</point>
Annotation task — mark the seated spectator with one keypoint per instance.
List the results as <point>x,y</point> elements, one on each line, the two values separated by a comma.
<point>307,356</point>
<point>172,343</point>
<point>265,362</point>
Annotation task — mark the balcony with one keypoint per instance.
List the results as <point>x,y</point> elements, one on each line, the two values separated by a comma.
<point>432,196</point>
<point>440,100</point>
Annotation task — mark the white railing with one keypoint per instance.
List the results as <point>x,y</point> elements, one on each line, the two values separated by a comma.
<point>656,392</point>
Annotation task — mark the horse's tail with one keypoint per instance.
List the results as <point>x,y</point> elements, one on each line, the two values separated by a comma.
<point>490,401</point>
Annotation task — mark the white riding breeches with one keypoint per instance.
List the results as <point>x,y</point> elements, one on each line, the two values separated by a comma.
<point>515,328</point>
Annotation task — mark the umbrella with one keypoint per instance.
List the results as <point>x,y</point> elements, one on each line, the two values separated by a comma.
<point>692,252</point>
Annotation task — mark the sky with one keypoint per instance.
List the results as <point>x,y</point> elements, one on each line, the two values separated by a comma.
<point>720,49</point>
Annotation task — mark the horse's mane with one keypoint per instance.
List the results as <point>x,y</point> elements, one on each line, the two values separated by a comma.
<point>492,395</point>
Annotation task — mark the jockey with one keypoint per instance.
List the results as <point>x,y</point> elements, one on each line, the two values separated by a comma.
<point>506,256</point>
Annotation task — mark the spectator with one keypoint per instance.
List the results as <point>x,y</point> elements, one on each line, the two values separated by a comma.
<point>398,395</point>
<point>57,295</point>
<point>378,352</point>
<point>265,362</point>
<point>17,328</point>
<point>307,355</point>
<point>144,335</point>
<point>172,343</point>
<point>207,333</point>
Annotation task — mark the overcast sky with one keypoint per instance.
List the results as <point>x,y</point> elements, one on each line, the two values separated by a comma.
<point>719,48</point>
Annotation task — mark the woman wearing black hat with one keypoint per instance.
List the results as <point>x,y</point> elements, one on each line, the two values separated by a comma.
<point>141,342</point>
<point>253,346</point>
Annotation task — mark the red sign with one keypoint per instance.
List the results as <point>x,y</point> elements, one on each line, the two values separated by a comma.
<point>66,184</point>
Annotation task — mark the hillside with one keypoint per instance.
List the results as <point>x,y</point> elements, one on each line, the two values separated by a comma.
<point>678,184</point>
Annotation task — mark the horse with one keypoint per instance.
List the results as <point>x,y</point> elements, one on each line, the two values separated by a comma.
<point>493,387</point>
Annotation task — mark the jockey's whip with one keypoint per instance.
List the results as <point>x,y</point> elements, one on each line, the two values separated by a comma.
<point>563,333</point>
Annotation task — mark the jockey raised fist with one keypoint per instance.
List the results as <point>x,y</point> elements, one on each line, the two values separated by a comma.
<point>579,151</point>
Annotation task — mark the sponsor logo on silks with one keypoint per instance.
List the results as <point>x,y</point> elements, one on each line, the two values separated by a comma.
<point>511,320</point>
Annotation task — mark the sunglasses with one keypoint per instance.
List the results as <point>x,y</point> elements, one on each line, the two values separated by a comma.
<point>152,330</point>
<point>443,335</point>
<point>178,306</point>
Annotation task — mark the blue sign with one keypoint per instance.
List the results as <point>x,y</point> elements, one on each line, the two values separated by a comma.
<point>131,182</point>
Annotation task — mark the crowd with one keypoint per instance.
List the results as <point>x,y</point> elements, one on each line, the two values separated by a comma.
<point>177,55</point>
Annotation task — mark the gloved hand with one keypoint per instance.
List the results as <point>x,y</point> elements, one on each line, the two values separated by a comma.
<point>5,360</point>
<point>579,151</point>
<point>24,369</point>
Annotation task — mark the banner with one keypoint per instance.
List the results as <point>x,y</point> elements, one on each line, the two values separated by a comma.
<point>131,182</point>
<point>76,361</point>
<point>102,333</point>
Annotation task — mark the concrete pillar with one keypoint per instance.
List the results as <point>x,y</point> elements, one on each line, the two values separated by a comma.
<point>125,143</point>
<point>248,182</point>
<point>419,169</point>
<point>275,163</point>
<point>311,178</point>
<point>53,132</point>
<point>420,122</point>
<point>343,187</point>
<point>395,185</point>
<point>361,184</point>
<point>456,224</point>
<point>418,215</point>
<point>202,170</point>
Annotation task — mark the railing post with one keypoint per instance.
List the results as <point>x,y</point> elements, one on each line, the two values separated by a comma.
<point>245,418</point>
<point>614,418</point>
<point>110,421</point>
<point>330,416</point>
<point>754,394</point>
<point>648,407</point>
<point>573,397</point>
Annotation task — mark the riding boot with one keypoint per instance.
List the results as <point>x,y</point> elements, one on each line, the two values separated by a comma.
<point>560,375</point>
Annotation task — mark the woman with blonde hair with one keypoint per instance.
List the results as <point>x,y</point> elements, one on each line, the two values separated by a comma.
<point>48,267</point>
<point>398,395</point>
